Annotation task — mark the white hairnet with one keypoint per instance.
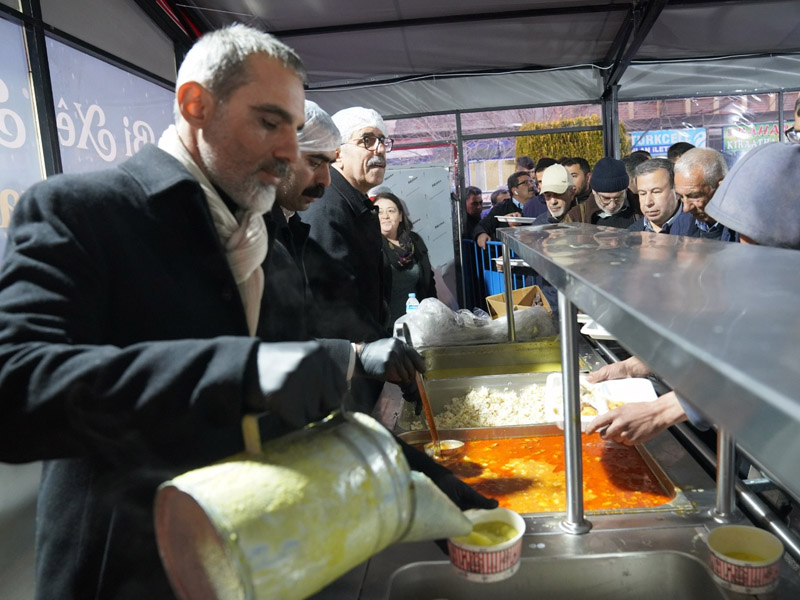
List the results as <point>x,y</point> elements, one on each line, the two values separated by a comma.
<point>319,133</point>
<point>350,120</point>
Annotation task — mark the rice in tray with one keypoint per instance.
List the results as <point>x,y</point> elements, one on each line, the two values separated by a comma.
<point>484,407</point>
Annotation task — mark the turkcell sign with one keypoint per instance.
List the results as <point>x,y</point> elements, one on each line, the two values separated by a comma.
<point>658,141</point>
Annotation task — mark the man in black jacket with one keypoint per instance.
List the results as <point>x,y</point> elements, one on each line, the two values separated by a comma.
<point>609,185</point>
<point>520,186</point>
<point>344,257</point>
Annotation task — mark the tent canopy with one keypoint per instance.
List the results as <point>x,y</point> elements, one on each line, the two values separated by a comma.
<point>411,57</point>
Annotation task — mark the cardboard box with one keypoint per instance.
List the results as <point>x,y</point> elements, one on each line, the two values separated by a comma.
<point>522,298</point>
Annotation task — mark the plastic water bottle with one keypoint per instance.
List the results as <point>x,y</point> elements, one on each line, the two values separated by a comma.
<point>412,303</point>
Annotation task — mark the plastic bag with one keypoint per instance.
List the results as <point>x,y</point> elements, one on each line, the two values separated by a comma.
<point>435,324</point>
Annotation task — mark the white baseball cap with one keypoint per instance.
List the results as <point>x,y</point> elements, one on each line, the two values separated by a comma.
<point>556,179</point>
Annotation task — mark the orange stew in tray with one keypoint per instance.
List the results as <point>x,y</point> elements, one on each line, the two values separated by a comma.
<point>527,474</point>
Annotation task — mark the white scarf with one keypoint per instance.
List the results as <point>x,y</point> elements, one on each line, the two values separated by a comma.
<point>244,240</point>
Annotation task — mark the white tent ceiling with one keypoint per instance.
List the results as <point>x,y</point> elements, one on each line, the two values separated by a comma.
<point>426,56</point>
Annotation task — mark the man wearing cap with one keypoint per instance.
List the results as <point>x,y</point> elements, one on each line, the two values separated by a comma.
<point>609,185</point>
<point>698,174</point>
<point>538,205</point>
<point>658,201</point>
<point>559,193</point>
<point>771,215</point>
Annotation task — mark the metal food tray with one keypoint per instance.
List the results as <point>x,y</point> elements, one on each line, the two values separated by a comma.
<point>441,391</point>
<point>679,502</point>
<point>539,356</point>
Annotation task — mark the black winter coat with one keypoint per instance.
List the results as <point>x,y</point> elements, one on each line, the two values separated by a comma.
<point>124,360</point>
<point>349,282</point>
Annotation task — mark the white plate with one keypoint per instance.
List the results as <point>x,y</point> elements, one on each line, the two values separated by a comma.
<point>515,262</point>
<point>523,220</point>
<point>603,396</point>
<point>583,318</point>
<point>593,330</point>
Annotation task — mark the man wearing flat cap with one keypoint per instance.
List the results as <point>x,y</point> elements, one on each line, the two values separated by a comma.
<point>609,185</point>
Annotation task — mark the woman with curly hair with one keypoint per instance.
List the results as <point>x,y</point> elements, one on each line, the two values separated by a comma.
<point>406,254</point>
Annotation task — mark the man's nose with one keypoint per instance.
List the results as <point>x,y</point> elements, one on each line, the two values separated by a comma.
<point>286,147</point>
<point>324,175</point>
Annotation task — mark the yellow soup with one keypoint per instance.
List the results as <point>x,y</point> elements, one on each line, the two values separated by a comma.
<point>745,556</point>
<point>489,533</point>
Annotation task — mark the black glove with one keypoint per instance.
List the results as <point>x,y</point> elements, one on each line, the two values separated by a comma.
<point>299,382</point>
<point>411,394</point>
<point>459,492</point>
<point>390,359</point>
<point>462,494</point>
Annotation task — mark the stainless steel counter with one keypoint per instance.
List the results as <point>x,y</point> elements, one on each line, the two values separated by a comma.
<point>718,322</point>
<point>618,552</point>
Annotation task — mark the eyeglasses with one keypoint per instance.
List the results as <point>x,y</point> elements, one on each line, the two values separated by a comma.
<point>792,135</point>
<point>371,142</point>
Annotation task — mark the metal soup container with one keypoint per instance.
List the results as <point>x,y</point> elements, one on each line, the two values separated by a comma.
<point>285,522</point>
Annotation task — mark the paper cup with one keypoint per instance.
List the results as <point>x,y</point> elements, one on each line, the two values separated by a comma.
<point>489,563</point>
<point>745,559</point>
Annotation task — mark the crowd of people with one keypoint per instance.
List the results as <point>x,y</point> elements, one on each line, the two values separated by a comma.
<point>689,193</point>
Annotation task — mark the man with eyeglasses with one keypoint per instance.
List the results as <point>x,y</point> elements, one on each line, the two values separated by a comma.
<point>792,134</point>
<point>609,185</point>
<point>520,185</point>
<point>347,277</point>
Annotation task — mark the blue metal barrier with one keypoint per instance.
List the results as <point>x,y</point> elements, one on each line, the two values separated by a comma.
<point>481,277</point>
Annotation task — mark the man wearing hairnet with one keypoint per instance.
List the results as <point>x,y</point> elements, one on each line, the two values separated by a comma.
<point>286,287</point>
<point>385,358</point>
<point>344,260</point>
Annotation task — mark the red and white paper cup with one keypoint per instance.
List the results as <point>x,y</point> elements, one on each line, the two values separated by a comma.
<point>489,563</point>
<point>745,559</point>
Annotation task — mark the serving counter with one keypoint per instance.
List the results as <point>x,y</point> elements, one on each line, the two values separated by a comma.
<point>718,323</point>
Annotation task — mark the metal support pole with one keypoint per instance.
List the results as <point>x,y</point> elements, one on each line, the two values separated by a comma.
<point>725,510</point>
<point>575,522</point>
<point>512,330</point>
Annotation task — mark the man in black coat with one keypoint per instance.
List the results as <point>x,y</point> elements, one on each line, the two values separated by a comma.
<point>520,185</point>
<point>609,185</point>
<point>344,258</point>
<point>131,316</point>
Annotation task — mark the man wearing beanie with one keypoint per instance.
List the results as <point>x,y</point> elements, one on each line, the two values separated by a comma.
<point>609,185</point>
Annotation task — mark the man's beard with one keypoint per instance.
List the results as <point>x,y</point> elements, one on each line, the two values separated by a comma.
<point>618,208</point>
<point>247,192</point>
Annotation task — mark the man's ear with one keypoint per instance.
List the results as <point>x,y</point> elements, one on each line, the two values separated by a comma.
<point>196,104</point>
<point>337,162</point>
